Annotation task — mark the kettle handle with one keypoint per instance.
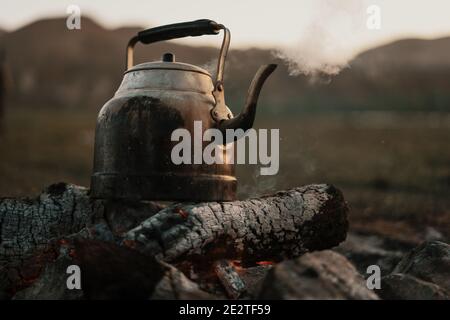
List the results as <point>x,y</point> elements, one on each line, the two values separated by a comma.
<point>181,30</point>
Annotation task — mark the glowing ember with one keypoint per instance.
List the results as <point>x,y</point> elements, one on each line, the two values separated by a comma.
<point>265,263</point>
<point>184,214</point>
<point>236,263</point>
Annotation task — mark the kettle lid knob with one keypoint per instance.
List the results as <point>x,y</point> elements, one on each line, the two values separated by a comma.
<point>168,57</point>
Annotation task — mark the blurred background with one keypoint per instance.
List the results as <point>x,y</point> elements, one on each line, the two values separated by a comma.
<point>366,109</point>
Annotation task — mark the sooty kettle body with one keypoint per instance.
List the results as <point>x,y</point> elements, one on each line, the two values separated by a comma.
<point>132,152</point>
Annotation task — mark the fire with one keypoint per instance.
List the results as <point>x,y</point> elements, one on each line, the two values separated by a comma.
<point>265,263</point>
<point>236,263</point>
<point>183,213</point>
<point>129,243</point>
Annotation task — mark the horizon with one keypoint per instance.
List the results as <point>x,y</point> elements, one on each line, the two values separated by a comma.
<point>210,43</point>
<point>341,25</point>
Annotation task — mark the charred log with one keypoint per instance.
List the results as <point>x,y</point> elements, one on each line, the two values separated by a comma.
<point>110,271</point>
<point>318,275</point>
<point>286,224</point>
<point>230,279</point>
<point>275,227</point>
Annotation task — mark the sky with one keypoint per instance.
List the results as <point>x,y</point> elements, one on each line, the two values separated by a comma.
<point>258,22</point>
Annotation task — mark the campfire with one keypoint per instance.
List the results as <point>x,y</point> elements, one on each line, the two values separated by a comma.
<point>162,222</point>
<point>126,245</point>
<point>145,249</point>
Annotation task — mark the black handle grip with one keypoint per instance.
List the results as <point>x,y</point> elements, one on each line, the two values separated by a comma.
<point>179,30</point>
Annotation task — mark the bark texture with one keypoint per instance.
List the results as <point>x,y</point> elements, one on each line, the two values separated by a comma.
<point>33,232</point>
<point>286,224</point>
<point>29,224</point>
<point>274,227</point>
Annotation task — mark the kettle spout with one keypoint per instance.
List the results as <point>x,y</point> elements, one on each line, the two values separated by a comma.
<point>246,118</point>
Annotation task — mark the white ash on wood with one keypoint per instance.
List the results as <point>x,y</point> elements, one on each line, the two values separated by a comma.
<point>274,227</point>
<point>230,279</point>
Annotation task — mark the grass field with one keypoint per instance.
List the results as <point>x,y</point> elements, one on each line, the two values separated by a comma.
<point>394,169</point>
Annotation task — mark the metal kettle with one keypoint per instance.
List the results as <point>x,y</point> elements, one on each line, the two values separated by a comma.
<point>132,151</point>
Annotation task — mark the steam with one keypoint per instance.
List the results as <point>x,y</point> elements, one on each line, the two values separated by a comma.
<point>211,66</point>
<point>321,49</point>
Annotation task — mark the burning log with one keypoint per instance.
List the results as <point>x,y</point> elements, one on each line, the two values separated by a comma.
<point>267,229</point>
<point>110,271</point>
<point>283,225</point>
<point>230,279</point>
<point>28,225</point>
<point>318,275</point>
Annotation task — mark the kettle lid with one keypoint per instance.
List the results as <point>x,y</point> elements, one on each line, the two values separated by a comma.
<point>167,62</point>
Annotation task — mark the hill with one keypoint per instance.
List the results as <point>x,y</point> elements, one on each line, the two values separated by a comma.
<point>54,67</point>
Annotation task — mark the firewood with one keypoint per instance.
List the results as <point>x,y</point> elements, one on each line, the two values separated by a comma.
<point>283,225</point>
<point>230,279</point>
<point>110,271</point>
<point>28,225</point>
<point>317,275</point>
<point>272,228</point>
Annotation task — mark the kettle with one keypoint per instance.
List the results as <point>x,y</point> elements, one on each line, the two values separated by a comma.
<point>132,150</point>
